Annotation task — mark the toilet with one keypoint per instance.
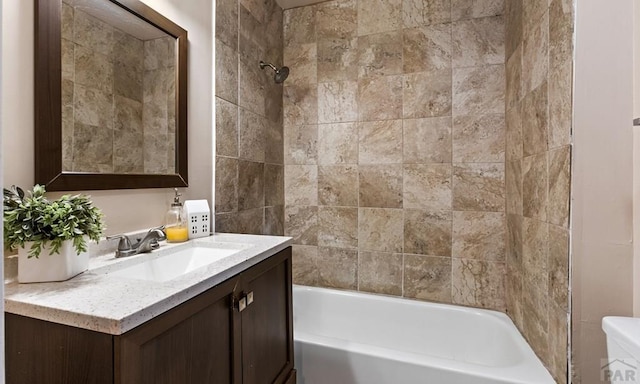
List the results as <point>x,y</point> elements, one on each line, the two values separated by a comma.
<point>623,350</point>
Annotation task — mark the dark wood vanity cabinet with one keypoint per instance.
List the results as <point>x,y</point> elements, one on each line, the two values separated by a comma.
<point>267,324</point>
<point>239,332</point>
<point>192,343</point>
<point>38,351</point>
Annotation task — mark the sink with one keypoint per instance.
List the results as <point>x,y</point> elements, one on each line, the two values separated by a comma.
<point>178,262</point>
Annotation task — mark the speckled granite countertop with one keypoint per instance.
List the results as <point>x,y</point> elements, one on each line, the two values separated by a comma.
<point>101,302</point>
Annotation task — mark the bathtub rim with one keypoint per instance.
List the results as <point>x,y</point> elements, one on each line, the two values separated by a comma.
<point>387,297</point>
<point>529,363</point>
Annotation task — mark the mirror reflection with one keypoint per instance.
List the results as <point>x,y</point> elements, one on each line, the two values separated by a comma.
<point>118,91</point>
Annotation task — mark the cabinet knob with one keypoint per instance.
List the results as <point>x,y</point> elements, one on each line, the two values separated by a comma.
<point>242,304</point>
<point>244,301</point>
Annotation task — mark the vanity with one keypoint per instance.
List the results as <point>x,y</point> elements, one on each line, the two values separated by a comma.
<point>225,321</point>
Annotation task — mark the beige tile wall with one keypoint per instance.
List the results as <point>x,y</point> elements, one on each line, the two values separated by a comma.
<point>394,147</point>
<point>538,155</point>
<point>249,141</point>
<point>118,96</point>
<point>417,162</point>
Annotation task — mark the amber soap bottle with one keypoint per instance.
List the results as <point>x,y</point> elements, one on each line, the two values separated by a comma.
<point>176,221</point>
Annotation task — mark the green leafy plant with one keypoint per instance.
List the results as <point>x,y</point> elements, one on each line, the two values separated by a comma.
<point>32,217</point>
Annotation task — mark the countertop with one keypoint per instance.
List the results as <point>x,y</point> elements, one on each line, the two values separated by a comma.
<point>100,302</point>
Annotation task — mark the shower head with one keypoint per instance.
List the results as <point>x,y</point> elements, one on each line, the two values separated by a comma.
<point>280,74</point>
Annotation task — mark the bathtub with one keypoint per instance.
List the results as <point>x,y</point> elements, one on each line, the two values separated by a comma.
<point>355,338</point>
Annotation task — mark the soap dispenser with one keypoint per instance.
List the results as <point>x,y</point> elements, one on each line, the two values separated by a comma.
<point>176,221</point>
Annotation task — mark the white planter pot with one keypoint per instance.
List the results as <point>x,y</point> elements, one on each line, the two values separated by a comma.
<point>48,267</point>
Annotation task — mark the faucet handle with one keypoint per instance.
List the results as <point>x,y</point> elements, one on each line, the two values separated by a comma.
<point>124,244</point>
<point>161,230</point>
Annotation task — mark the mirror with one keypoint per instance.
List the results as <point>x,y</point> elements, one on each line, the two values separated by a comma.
<point>111,96</point>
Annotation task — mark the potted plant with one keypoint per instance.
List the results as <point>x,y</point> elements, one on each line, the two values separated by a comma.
<point>50,236</point>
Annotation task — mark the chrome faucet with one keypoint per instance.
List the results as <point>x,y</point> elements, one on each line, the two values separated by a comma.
<point>148,243</point>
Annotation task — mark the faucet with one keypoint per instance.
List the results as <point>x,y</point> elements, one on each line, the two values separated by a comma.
<point>148,243</point>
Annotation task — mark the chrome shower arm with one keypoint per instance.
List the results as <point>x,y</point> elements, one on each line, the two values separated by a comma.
<point>263,64</point>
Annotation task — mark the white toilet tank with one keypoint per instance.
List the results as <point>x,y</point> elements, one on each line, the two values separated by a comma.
<point>622,365</point>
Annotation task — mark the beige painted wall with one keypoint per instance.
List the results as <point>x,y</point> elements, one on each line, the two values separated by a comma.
<point>636,59</point>
<point>636,159</point>
<point>602,251</point>
<point>125,210</point>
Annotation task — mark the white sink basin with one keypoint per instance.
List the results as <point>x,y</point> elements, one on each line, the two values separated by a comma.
<point>177,263</point>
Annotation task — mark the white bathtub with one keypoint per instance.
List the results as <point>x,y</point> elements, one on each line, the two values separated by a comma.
<point>356,338</point>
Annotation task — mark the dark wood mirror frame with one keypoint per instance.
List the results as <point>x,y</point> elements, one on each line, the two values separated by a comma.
<point>48,106</point>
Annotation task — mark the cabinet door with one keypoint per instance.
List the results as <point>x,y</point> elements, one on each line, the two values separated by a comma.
<point>191,344</point>
<point>41,352</point>
<point>267,322</point>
